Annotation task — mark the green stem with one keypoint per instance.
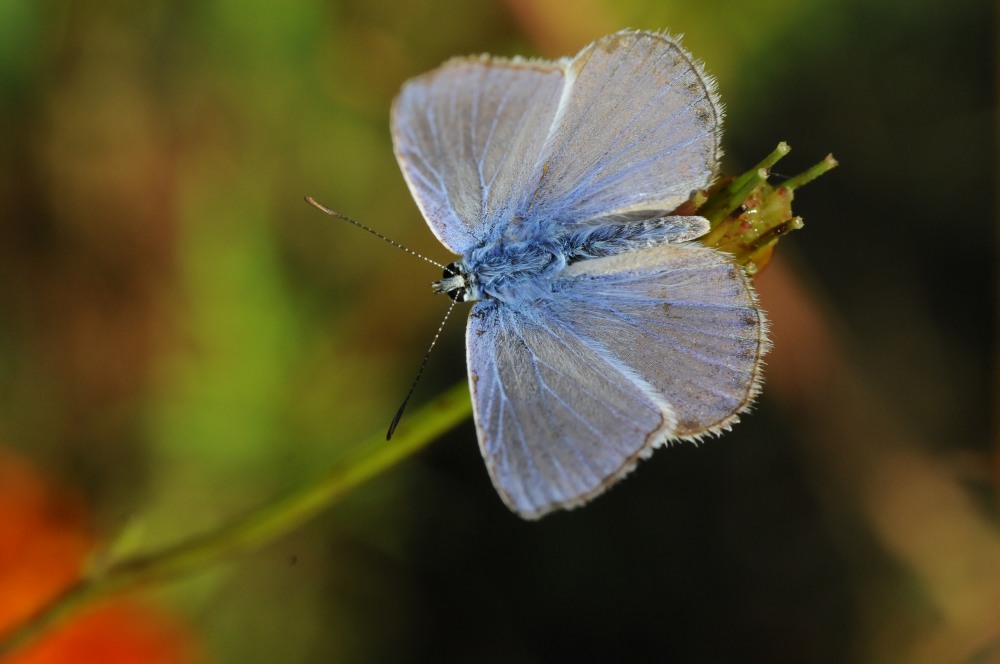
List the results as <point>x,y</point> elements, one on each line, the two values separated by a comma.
<point>255,528</point>
<point>810,174</point>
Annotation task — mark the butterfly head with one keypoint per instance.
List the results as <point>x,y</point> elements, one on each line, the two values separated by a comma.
<point>458,282</point>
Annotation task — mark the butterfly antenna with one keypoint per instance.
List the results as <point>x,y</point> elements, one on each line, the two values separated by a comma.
<point>333,213</point>
<point>420,372</point>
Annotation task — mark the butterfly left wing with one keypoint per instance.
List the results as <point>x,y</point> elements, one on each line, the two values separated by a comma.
<point>558,419</point>
<point>683,317</point>
<point>629,352</point>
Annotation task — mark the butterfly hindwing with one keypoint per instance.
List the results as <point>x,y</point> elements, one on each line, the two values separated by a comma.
<point>639,128</point>
<point>682,316</point>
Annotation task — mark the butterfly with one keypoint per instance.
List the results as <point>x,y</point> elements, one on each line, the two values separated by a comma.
<point>600,329</point>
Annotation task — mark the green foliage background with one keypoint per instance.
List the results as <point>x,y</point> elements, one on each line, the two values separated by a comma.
<point>182,337</point>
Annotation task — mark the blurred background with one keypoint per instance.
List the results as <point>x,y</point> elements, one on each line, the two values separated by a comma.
<point>182,337</point>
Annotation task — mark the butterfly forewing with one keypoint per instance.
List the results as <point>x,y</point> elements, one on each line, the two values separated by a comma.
<point>558,417</point>
<point>467,137</point>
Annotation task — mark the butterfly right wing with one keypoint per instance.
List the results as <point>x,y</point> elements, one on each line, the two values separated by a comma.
<point>467,137</point>
<point>558,419</point>
<point>629,124</point>
<point>638,129</point>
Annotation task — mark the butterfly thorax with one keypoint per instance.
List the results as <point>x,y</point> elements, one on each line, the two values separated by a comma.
<point>522,270</point>
<point>502,270</point>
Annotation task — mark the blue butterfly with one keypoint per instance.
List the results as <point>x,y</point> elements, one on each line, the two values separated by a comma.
<point>600,330</point>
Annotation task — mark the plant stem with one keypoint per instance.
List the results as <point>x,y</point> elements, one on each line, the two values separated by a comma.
<point>257,527</point>
<point>810,174</point>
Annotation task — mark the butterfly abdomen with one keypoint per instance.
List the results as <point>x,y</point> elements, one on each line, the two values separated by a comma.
<point>616,237</point>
